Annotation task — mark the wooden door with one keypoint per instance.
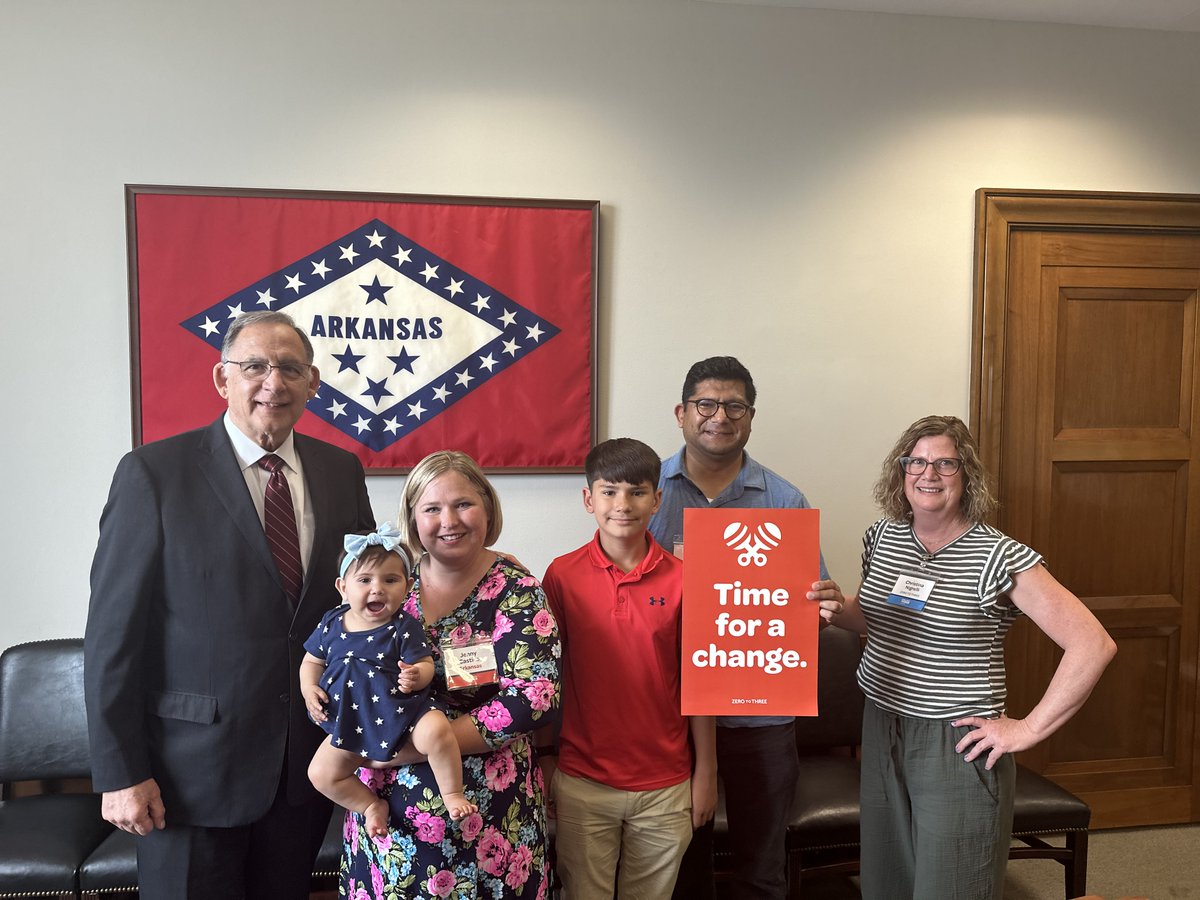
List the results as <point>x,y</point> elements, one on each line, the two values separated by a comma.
<point>1086,401</point>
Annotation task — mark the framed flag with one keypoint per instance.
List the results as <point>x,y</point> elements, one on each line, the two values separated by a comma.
<point>463,323</point>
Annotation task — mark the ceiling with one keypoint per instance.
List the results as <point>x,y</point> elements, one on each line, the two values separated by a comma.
<point>1159,15</point>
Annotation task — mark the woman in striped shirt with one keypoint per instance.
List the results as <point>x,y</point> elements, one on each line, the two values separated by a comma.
<point>940,590</point>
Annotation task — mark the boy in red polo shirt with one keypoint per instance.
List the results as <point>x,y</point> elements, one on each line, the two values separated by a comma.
<point>628,787</point>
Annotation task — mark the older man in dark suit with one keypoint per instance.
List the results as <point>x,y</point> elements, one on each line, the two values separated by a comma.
<point>199,609</point>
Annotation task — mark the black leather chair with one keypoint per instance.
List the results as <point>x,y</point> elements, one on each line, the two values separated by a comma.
<point>822,837</point>
<point>56,844</point>
<point>329,857</point>
<point>110,872</point>
<point>111,869</point>
<point>823,832</point>
<point>1041,807</point>
<point>44,838</point>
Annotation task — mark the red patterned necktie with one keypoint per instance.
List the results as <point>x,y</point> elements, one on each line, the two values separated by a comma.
<point>280,518</point>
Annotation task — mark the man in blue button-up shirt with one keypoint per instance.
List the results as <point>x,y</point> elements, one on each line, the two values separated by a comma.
<point>756,755</point>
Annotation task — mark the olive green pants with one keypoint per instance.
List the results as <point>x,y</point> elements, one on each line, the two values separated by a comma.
<point>933,826</point>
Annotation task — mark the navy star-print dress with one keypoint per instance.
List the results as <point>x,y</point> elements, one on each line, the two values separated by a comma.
<point>368,714</point>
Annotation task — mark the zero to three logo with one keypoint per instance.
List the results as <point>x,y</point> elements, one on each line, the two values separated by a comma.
<point>754,544</point>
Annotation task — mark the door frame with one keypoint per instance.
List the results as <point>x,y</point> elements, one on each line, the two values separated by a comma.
<point>1000,212</point>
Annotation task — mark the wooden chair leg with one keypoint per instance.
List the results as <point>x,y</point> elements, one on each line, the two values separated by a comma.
<point>1076,868</point>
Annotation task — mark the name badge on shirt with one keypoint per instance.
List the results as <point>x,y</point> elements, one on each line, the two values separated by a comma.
<point>911,592</point>
<point>469,665</point>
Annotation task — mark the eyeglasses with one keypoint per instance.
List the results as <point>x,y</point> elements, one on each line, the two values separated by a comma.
<point>915,465</point>
<point>260,369</point>
<point>734,409</point>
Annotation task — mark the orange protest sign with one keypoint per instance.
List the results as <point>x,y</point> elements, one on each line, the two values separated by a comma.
<point>749,631</point>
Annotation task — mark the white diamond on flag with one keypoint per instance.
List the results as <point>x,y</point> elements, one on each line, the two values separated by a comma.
<point>399,333</point>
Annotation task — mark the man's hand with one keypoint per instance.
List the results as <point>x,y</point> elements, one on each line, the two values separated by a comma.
<point>138,809</point>
<point>829,596</point>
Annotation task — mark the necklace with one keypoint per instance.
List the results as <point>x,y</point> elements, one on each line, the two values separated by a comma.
<point>933,546</point>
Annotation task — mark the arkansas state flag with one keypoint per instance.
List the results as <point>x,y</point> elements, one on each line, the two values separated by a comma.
<point>437,323</point>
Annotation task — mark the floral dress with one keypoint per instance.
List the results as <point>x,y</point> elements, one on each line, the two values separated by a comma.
<point>500,851</point>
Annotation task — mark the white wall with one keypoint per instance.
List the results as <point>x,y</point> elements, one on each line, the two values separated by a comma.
<point>794,187</point>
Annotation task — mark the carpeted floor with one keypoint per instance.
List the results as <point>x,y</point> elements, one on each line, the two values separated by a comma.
<point>1152,863</point>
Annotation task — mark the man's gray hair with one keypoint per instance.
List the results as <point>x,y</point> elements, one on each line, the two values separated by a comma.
<point>266,317</point>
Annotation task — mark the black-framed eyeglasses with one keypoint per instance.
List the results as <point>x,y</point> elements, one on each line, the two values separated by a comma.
<point>915,465</point>
<point>707,407</point>
<point>260,369</point>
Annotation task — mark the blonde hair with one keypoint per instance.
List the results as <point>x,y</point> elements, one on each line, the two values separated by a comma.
<point>425,473</point>
<point>977,501</point>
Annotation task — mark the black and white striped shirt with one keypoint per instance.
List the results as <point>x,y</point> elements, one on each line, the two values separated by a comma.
<point>946,660</point>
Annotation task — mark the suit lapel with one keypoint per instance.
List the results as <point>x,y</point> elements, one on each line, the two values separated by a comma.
<point>316,484</point>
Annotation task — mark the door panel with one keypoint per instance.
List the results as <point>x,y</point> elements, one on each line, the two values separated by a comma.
<point>1085,391</point>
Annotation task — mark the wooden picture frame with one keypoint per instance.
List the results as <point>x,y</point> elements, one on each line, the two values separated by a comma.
<point>438,322</point>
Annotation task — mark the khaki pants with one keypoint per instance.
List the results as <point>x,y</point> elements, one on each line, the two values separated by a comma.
<point>599,828</point>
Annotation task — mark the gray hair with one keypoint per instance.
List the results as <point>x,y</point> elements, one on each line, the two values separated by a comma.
<point>266,317</point>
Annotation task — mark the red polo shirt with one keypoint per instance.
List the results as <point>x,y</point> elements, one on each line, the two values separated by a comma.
<point>621,724</point>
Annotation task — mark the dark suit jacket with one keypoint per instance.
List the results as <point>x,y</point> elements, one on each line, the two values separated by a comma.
<point>192,653</point>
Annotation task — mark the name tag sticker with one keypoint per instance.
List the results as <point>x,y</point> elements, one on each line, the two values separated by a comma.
<point>469,665</point>
<point>911,592</point>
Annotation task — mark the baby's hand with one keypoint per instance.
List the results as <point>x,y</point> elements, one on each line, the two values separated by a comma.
<point>314,701</point>
<point>410,678</point>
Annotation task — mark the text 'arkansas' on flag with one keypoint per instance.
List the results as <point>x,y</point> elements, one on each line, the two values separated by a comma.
<point>434,324</point>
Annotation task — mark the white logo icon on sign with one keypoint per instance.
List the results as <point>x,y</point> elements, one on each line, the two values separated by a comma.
<point>754,543</point>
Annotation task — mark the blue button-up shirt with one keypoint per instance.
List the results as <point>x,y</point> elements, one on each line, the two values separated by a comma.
<point>755,487</point>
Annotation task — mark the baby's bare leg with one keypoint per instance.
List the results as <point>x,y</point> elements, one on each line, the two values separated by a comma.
<point>433,737</point>
<point>332,773</point>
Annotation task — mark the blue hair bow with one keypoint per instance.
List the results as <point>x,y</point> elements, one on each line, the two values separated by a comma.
<point>386,536</point>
